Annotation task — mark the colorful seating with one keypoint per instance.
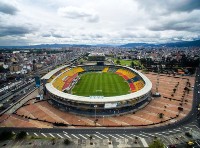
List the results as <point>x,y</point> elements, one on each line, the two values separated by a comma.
<point>139,84</point>
<point>105,69</point>
<point>125,73</point>
<point>62,81</point>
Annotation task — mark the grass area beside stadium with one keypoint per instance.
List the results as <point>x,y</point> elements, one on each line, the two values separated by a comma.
<point>128,62</point>
<point>101,84</point>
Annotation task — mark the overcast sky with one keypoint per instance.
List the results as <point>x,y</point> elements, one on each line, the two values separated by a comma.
<point>30,22</point>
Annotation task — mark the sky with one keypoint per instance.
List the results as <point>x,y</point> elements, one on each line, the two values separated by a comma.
<point>31,22</point>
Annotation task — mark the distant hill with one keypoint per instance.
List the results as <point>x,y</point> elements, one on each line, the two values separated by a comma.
<point>46,46</point>
<point>177,44</point>
<point>183,44</point>
<point>129,45</point>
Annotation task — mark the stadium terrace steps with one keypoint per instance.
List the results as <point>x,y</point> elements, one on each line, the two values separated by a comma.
<point>132,87</point>
<point>68,81</point>
<point>62,82</point>
<point>135,83</point>
<point>127,73</point>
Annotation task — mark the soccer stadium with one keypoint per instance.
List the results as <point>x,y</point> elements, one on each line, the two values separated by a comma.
<point>97,90</point>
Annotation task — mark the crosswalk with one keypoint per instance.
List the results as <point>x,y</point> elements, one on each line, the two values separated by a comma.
<point>168,137</point>
<point>87,136</point>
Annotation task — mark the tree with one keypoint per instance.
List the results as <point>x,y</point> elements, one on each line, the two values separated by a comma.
<point>110,139</point>
<point>160,115</point>
<point>21,135</point>
<point>91,140</point>
<point>53,141</point>
<point>6,135</point>
<point>132,64</point>
<point>67,141</point>
<point>136,140</point>
<point>118,62</point>
<point>156,144</point>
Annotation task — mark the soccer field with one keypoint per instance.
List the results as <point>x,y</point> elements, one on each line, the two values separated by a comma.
<point>101,84</point>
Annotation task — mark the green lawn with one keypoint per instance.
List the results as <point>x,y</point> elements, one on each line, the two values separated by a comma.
<point>101,84</point>
<point>128,62</point>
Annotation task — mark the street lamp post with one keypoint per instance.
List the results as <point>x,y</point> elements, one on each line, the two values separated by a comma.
<point>95,106</point>
<point>103,120</point>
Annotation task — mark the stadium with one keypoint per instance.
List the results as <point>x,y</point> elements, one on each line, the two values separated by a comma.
<point>97,90</point>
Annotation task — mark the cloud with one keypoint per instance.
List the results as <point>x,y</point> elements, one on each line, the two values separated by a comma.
<point>171,26</point>
<point>55,34</point>
<point>166,7</point>
<point>186,5</point>
<point>14,30</point>
<point>91,22</point>
<point>78,13</point>
<point>7,8</point>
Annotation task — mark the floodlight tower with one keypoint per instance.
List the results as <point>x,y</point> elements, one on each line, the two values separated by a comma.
<point>157,94</point>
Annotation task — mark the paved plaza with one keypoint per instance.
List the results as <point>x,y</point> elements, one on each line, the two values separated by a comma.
<point>167,104</point>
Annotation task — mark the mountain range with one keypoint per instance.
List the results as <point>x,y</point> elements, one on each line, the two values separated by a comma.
<point>195,43</point>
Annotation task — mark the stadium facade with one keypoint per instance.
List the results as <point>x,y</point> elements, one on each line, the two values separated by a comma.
<point>60,81</point>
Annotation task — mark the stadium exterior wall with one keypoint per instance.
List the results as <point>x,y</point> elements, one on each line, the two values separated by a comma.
<point>102,106</point>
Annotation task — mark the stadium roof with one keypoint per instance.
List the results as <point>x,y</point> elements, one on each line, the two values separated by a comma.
<point>143,91</point>
<point>51,73</point>
<point>96,54</point>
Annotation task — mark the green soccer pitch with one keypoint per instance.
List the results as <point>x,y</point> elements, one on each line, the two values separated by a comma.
<point>101,84</point>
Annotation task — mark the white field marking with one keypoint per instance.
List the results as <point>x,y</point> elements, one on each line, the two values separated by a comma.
<point>164,132</point>
<point>75,136</point>
<point>144,142</point>
<point>172,140</point>
<point>172,132</point>
<point>103,135</point>
<point>159,134</point>
<point>67,136</point>
<point>177,130</point>
<point>51,135</point>
<point>189,128</point>
<point>197,143</point>
<point>65,132</point>
<point>60,136</point>
<point>149,134</point>
<point>143,135</point>
<point>181,139</point>
<point>112,136</point>
<point>98,136</point>
<point>134,135</point>
<point>165,139</point>
<point>119,135</point>
<point>89,136</point>
<point>82,136</point>
<point>43,134</point>
<point>128,136</point>
<point>36,134</point>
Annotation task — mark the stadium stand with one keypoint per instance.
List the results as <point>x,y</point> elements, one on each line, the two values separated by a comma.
<point>68,81</point>
<point>112,69</point>
<point>125,73</point>
<point>139,84</point>
<point>107,106</point>
<point>105,69</point>
<point>135,83</point>
<point>64,80</point>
